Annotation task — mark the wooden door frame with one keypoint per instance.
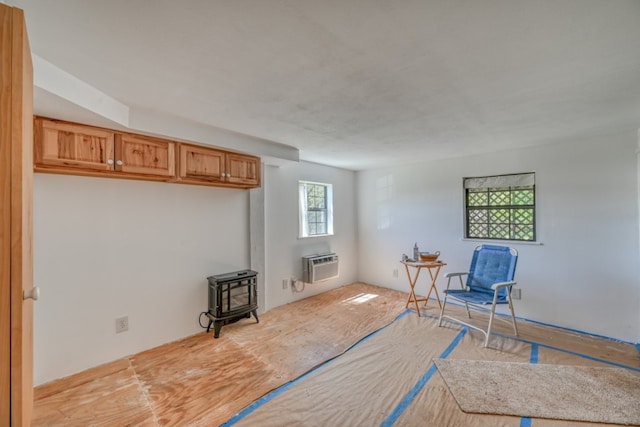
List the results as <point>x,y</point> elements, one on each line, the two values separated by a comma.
<point>16,138</point>
<point>5,219</point>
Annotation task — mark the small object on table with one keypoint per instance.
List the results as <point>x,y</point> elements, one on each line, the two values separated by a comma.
<point>428,257</point>
<point>416,251</point>
<point>434,269</point>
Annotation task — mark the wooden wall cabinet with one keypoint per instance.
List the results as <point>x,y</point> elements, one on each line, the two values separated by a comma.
<point>70,148</point>
<point>145,156</point>
<point>66,147</point>
<point>201,165</point>
<point>205,165</point>
<point>243,170</point>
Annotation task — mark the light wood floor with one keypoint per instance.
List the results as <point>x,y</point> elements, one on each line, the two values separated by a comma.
<point>204,381</point>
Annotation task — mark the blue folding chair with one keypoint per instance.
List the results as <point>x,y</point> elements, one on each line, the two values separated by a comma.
<point>489,281</point>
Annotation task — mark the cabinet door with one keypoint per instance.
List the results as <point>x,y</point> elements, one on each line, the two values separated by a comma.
<point>147,156</point>
<point>243,170</point>
<point>201,164</point>
<point>73,146</point>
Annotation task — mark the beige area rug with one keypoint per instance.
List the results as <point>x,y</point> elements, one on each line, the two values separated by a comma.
<point>575,393</point>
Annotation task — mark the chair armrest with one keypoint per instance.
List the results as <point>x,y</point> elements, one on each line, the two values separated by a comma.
<point>499,285</point>
<point>458,275</point>
<point>448,275</point>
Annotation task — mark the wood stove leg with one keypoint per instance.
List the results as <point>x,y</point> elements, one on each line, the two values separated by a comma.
<point>255,314</point>
<point>217,325</point>
<point>209,326</point>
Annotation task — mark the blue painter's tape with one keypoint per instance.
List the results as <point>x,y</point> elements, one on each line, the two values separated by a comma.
<point>533,358</point>
<point>406,401</point>
<point>534,354</point>
<point>578,331</point>
<point>562,350</point>
<point>574,353</point>
<point>275,393</point>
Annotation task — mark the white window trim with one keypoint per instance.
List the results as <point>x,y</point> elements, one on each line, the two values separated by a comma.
<point>303,225</point>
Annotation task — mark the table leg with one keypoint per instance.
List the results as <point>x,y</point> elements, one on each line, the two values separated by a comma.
<point>433,285</point>
<point>412,285</point>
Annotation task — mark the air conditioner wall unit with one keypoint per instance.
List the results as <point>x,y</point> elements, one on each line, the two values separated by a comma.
<point>317,268</point>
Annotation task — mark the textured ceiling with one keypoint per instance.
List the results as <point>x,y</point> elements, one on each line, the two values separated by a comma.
<point>358,84</point>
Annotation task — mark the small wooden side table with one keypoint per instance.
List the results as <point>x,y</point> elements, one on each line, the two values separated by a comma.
<point>434,269</point>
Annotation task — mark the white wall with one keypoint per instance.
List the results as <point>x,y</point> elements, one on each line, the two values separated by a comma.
<point>105,248</point>
<point>584,275</point>
<point>284,250</point>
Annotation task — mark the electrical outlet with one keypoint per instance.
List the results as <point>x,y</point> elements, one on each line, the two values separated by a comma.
<point>395,273</point>
<point>285,283</point>
<point>122,324</point>
<point>516,293</point>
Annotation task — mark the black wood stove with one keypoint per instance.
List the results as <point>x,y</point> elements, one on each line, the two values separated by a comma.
<point>232,296</point>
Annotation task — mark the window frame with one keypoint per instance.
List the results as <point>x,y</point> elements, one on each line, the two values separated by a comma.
<point>304,210</point>
<point>497,184</point>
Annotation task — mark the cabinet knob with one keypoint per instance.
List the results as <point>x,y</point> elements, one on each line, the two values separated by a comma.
<point>34,294</point>
<point>110,161</point>
<point>119,162</point>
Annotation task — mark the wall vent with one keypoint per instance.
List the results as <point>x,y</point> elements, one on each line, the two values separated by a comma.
<point>317,268</point>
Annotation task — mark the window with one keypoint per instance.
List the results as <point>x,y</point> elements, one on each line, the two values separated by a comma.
<point>500,207</point>
<point>316,209</point>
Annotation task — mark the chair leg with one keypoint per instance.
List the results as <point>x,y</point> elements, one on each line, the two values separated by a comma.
<point>513,314</point>
<point>465,304</point>
<point>444,302</point>
<point>486,338</point>
<point>493,313</point>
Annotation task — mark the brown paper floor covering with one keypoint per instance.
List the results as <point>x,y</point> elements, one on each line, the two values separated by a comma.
<point>184,383</point>
<point>388,379</point>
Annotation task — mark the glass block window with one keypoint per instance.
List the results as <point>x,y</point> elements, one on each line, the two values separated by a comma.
<point>316,209</point>
<point>500,207</point>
